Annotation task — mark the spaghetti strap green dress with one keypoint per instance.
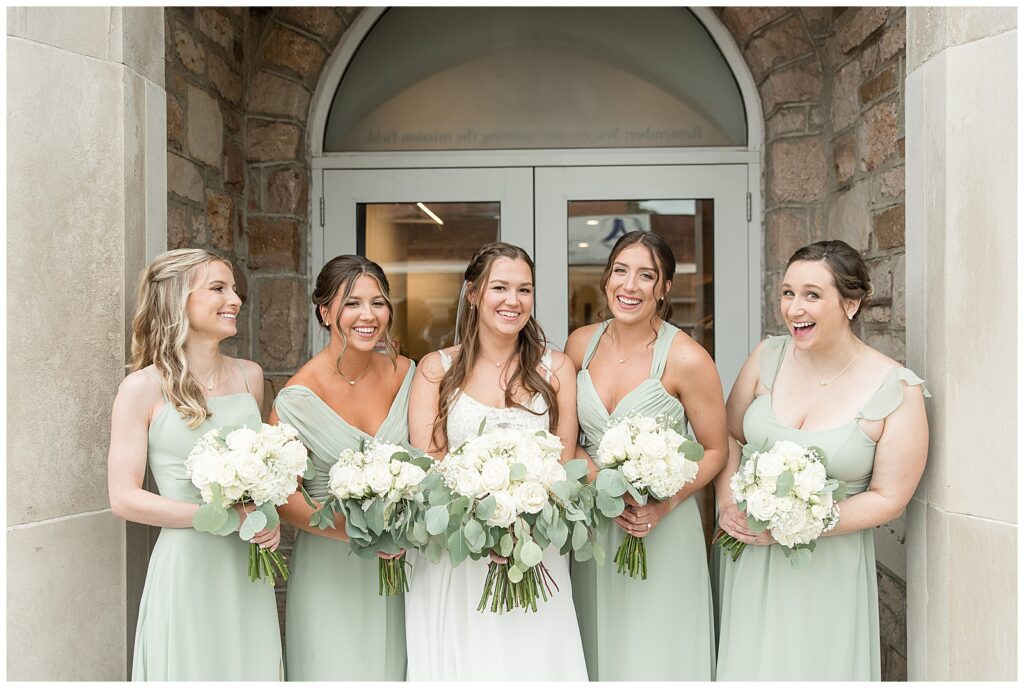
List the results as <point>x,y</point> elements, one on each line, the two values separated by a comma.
<point>201,618</point>
<point>337,628</point>
<point>819,623</point>
<point>659,629</point>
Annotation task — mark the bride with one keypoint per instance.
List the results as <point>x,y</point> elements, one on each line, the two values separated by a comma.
<point>500,372</point>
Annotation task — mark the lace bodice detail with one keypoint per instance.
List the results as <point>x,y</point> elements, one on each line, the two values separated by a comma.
<point>467,413</point>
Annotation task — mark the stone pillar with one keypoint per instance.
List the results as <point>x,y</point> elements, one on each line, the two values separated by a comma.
<point>961,337</point>
<point>86,206</point>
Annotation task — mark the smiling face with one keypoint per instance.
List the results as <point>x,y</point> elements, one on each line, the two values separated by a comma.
<point>505,301</point>
<point>213,305</point>
<point>811,305</point>
<point>361,317</point>
<point>635,285</point>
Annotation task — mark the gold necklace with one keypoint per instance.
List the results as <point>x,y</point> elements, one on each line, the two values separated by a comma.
<point>618,354</point>
<point>841,373</point>
<point>497,365</point>
<point>213,375</point>
<point>349,380</point>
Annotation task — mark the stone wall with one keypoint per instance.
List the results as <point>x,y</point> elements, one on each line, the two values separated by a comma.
<point>831,85</point>
<point>86,202</point>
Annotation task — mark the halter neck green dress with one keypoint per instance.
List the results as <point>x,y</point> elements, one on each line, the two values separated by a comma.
<point>659,629</point>
<point>819,623</point>
<point>201,618</point>
<point>337,628</point>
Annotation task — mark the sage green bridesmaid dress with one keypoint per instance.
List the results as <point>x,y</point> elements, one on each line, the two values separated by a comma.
<point>201,618</point>
<point>337,628</point>
<point>659,629</point>
<point>819,623</point>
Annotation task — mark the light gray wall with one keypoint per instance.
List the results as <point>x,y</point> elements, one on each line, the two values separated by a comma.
<point>86,205</point>
<point>962,338</point>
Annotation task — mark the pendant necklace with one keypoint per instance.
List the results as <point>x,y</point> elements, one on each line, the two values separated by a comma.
<point>348,379</point>
<point>822,383</point>
<point>213,375</point>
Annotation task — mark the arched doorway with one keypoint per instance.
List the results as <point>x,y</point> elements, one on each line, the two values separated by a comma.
<point>553,128</point>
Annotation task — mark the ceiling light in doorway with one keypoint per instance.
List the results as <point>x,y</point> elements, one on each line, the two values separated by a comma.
<point>583,244</point>
<point>430,213</point>
<point>593,223</point>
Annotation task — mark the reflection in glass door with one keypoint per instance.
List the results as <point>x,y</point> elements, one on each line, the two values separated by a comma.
<point>688,227</point>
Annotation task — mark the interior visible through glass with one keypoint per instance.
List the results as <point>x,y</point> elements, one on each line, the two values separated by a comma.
<point>424,249</point>
<point>688,227</point>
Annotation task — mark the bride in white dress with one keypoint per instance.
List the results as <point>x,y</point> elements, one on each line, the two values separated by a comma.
<point>500,371</point>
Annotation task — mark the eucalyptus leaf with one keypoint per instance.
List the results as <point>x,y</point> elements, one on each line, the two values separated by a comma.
<point>400,456</point>
<point>437,520</point>
<point>576,469</point>
<point>375,517</point>
<point>254,522</point>
<point>505,545</point>
<point>561,489</point>
<point>691,451</point>
<point>515,574</point>
<point>355,519</point>
<point>270,511</point>
<point>310,471</point>
<point>517,471</point>
<point>474,534</point>
<point>485,509</point>
<point>784,484</point>
<point>598,553</point>
<point>435,550</point>
<point>610,506</point>
<point>439,495</point>
<point>531,554</point>
<point>425,463</point>
<point>579,535</point>
<point>799,558</point>
<point>839,493</point>
<point>558,533</point>
<point>431,481</point>
<point>521,528</point>
<point>612,482</point>
<point>640,497</point>
<point>209,518</point>
<point>458,507</point>
<point>231,525</point>
<point>309,500</point>
<point>583,553</point>
<point>217,494</point>
<point>458,550</point>
<point>755,525</point>
<point>419,532</point>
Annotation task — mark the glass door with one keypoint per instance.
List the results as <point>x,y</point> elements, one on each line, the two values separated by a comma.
<point>699,209</point>
<point>422,227</point>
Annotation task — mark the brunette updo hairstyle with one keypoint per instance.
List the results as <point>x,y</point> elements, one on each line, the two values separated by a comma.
<point>340,274</point>
<point>661,254</point>
<point>849,271</point>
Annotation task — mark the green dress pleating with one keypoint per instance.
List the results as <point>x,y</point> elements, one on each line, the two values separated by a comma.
<point>337,628</point>
<point>819,623</point>
<point>201,618</point>
<point>659,629</point>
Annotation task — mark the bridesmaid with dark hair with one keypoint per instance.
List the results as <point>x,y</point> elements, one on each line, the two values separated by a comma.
<point>337,628</point>
<point>661,628</point>
<point>819,385</point>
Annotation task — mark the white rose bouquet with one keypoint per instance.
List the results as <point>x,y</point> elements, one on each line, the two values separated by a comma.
<point>507,490</point>
<point>379,492</point>
<point>240,465</point>
<point>785,489</point>
<point>646,457</point>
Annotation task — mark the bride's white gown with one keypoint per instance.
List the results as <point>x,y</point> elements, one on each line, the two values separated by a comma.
<point>448,639</point>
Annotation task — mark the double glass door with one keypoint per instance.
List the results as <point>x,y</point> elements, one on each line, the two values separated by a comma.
<point>423,225</point>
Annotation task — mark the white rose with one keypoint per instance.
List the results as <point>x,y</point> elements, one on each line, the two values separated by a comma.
<point>530,497</point>
<point>761,506</point>
<point>810,480</point>
<point>494,475</point>
<point>646,424</point>
<point>630,471</point>
<point>770,465</point>
<point>554,473</point>
<point>468,483</point>
<point>788,451</point>
<point>613,445</point>
<point>652,445</point>
<point>250,468</point>
<point>504,510</point>
<point>411,474</point>
<point>233,492</point>
<point>378,478</point>
<point>343,479</point>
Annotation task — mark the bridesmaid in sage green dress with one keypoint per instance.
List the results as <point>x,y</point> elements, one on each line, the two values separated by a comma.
<point>661,628</point>
<point>337,628</point>
<point>818,386</point>
<point>200,618</point>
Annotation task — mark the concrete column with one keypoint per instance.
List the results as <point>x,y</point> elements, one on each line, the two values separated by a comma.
<point>962,338</point>
<point>86,206</point>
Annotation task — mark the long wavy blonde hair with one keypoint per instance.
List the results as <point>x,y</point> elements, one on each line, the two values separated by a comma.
<point>160,327</point>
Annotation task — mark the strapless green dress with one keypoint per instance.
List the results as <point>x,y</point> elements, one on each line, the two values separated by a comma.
<point>659,629</point>
<point>819,623</point>
<point>337,628</point>
<point>201,618</point>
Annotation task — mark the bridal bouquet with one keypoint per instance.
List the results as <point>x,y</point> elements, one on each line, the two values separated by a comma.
<point>643,456</point>
<point>785,488</point>
<point>241,465</point>
<point>507,490</point>
<point>379,492</point>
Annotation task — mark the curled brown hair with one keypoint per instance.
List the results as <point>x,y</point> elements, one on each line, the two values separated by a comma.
<point>849,271</point>
<point>160,327</point>
<point>340,274</point>
<point>530,344</point>
<point>661,254</point>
